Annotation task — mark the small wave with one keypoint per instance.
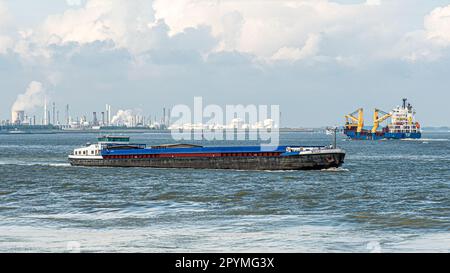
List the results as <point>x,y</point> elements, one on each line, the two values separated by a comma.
<point>60,164</point>
<point>334,169</point>
<point>425,139</point>
<point>266,171</point>
<point>400,157</point>
<point>279,171</point>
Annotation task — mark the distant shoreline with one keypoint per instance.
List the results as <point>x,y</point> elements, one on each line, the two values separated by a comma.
<point>18,130</point>
<point>46,130</point>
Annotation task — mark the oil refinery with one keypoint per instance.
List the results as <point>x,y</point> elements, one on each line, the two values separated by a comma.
<point>52,119</point>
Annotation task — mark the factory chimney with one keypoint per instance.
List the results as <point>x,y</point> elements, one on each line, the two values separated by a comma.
<point>67,115</point>
<point>103,118</point>
<point>108,114</point>
<point>45,113</point>
<point>95,121</point>
<point>54,113</point>
<point>169,116</point>
<point>164,117</point>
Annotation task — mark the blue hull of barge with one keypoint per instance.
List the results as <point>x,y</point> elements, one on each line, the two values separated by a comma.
<point>196,150</point>
<point>238,158</point>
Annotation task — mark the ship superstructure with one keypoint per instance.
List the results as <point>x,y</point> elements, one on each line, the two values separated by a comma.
<point>401,125</point>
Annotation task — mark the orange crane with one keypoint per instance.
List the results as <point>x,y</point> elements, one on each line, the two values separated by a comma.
<point>377,119</point>
<point>357,122</point>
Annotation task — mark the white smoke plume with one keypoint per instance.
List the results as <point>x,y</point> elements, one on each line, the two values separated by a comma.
<point>33,97</point>
<point>125,117</point>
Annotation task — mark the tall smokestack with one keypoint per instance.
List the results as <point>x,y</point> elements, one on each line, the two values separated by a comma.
<point>164,116</point>
<point>106,109</point>
<point>67,115</point>
<point>45,113</point>
<point>54,113</point>
<point>95,121</point>
<point>169,116</point>
<point>108,114</point>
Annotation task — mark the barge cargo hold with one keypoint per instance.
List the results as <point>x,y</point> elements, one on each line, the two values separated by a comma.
<point>118,152</point>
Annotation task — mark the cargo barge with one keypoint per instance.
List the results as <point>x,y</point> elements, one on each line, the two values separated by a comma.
<point>402,124</point>
<point>117,151</point>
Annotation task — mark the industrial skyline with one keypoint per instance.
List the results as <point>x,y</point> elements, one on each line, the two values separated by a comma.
<point>98,119</point>
<point>51,116</point>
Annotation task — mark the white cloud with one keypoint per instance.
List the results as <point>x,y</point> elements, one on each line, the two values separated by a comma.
<point>268,28</point>
<point>73,2</point>
<point>4,14</point>
<point>129,24</point>
<point>310,48</point>
<point>437,26</point>
<point>373,2</point>
<point>427,44</point>
<point>6,42</point>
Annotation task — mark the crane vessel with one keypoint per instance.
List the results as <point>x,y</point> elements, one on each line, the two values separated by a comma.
<point>402,124</point>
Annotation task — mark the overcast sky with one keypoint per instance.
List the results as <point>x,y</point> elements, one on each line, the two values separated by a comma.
<point>317,59</point>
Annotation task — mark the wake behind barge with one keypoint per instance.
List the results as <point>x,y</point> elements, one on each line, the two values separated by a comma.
<point>116,151</point>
